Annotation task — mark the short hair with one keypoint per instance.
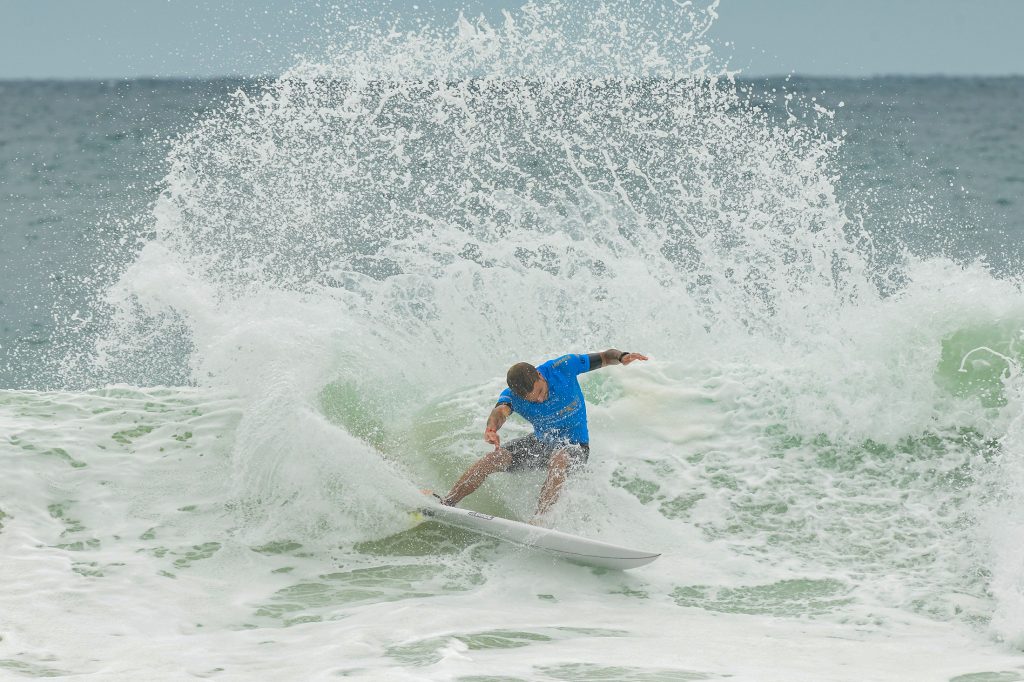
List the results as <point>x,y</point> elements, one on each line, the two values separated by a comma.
<point>521,377</point>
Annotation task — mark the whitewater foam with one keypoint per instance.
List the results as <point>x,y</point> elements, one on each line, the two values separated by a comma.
<point>346,261</point>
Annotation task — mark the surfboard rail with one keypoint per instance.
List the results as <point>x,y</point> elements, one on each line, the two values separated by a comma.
<point>555,542</point>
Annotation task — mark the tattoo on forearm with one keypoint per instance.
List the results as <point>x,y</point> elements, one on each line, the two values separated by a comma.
<point>496,418</point>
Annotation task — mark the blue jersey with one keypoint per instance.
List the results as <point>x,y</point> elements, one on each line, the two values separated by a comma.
<point>563,416</point>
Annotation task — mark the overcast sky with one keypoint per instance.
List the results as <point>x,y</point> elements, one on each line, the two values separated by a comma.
<point>131,38</point>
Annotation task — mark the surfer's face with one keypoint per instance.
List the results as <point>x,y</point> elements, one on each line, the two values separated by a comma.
<point>539,393</point>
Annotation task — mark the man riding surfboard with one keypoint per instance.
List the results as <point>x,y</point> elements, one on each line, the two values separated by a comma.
<point>549,397</point>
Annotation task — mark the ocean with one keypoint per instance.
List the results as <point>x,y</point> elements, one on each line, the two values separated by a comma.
<point>244,321</point>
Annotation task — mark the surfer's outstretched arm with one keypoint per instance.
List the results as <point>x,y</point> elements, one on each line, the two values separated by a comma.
<point>498,460</point>
<point>613,356</point>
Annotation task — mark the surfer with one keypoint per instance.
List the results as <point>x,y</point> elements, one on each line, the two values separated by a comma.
<point>549,397</point>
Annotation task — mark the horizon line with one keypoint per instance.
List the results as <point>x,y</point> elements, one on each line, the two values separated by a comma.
<point>737,75</point>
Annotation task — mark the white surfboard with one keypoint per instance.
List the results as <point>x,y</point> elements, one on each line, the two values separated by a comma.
<point>564,545</point>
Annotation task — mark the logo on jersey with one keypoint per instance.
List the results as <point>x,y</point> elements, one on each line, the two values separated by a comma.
<point>569,409</point>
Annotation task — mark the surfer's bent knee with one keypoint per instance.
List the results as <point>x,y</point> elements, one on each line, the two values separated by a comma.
<point>561,460</point>
<point>498,460</point>
<point>575,457</point>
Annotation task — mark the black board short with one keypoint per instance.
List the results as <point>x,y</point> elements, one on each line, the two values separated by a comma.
<point>530,452</point>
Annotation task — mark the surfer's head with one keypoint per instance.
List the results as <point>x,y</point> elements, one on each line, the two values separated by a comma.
<point>527,383</point>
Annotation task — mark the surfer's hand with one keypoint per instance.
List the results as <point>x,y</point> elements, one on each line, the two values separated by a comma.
<point>492,437</point>
<point>630,357</point>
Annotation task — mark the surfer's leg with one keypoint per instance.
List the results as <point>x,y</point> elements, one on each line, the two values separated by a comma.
<point>498,460</point>
<point>558,469</point>
<point>561,464</point>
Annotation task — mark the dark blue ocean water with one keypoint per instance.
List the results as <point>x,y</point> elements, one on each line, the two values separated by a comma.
<point>933,165</point>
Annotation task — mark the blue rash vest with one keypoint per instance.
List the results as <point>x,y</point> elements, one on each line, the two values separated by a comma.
<point>563,416</point>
